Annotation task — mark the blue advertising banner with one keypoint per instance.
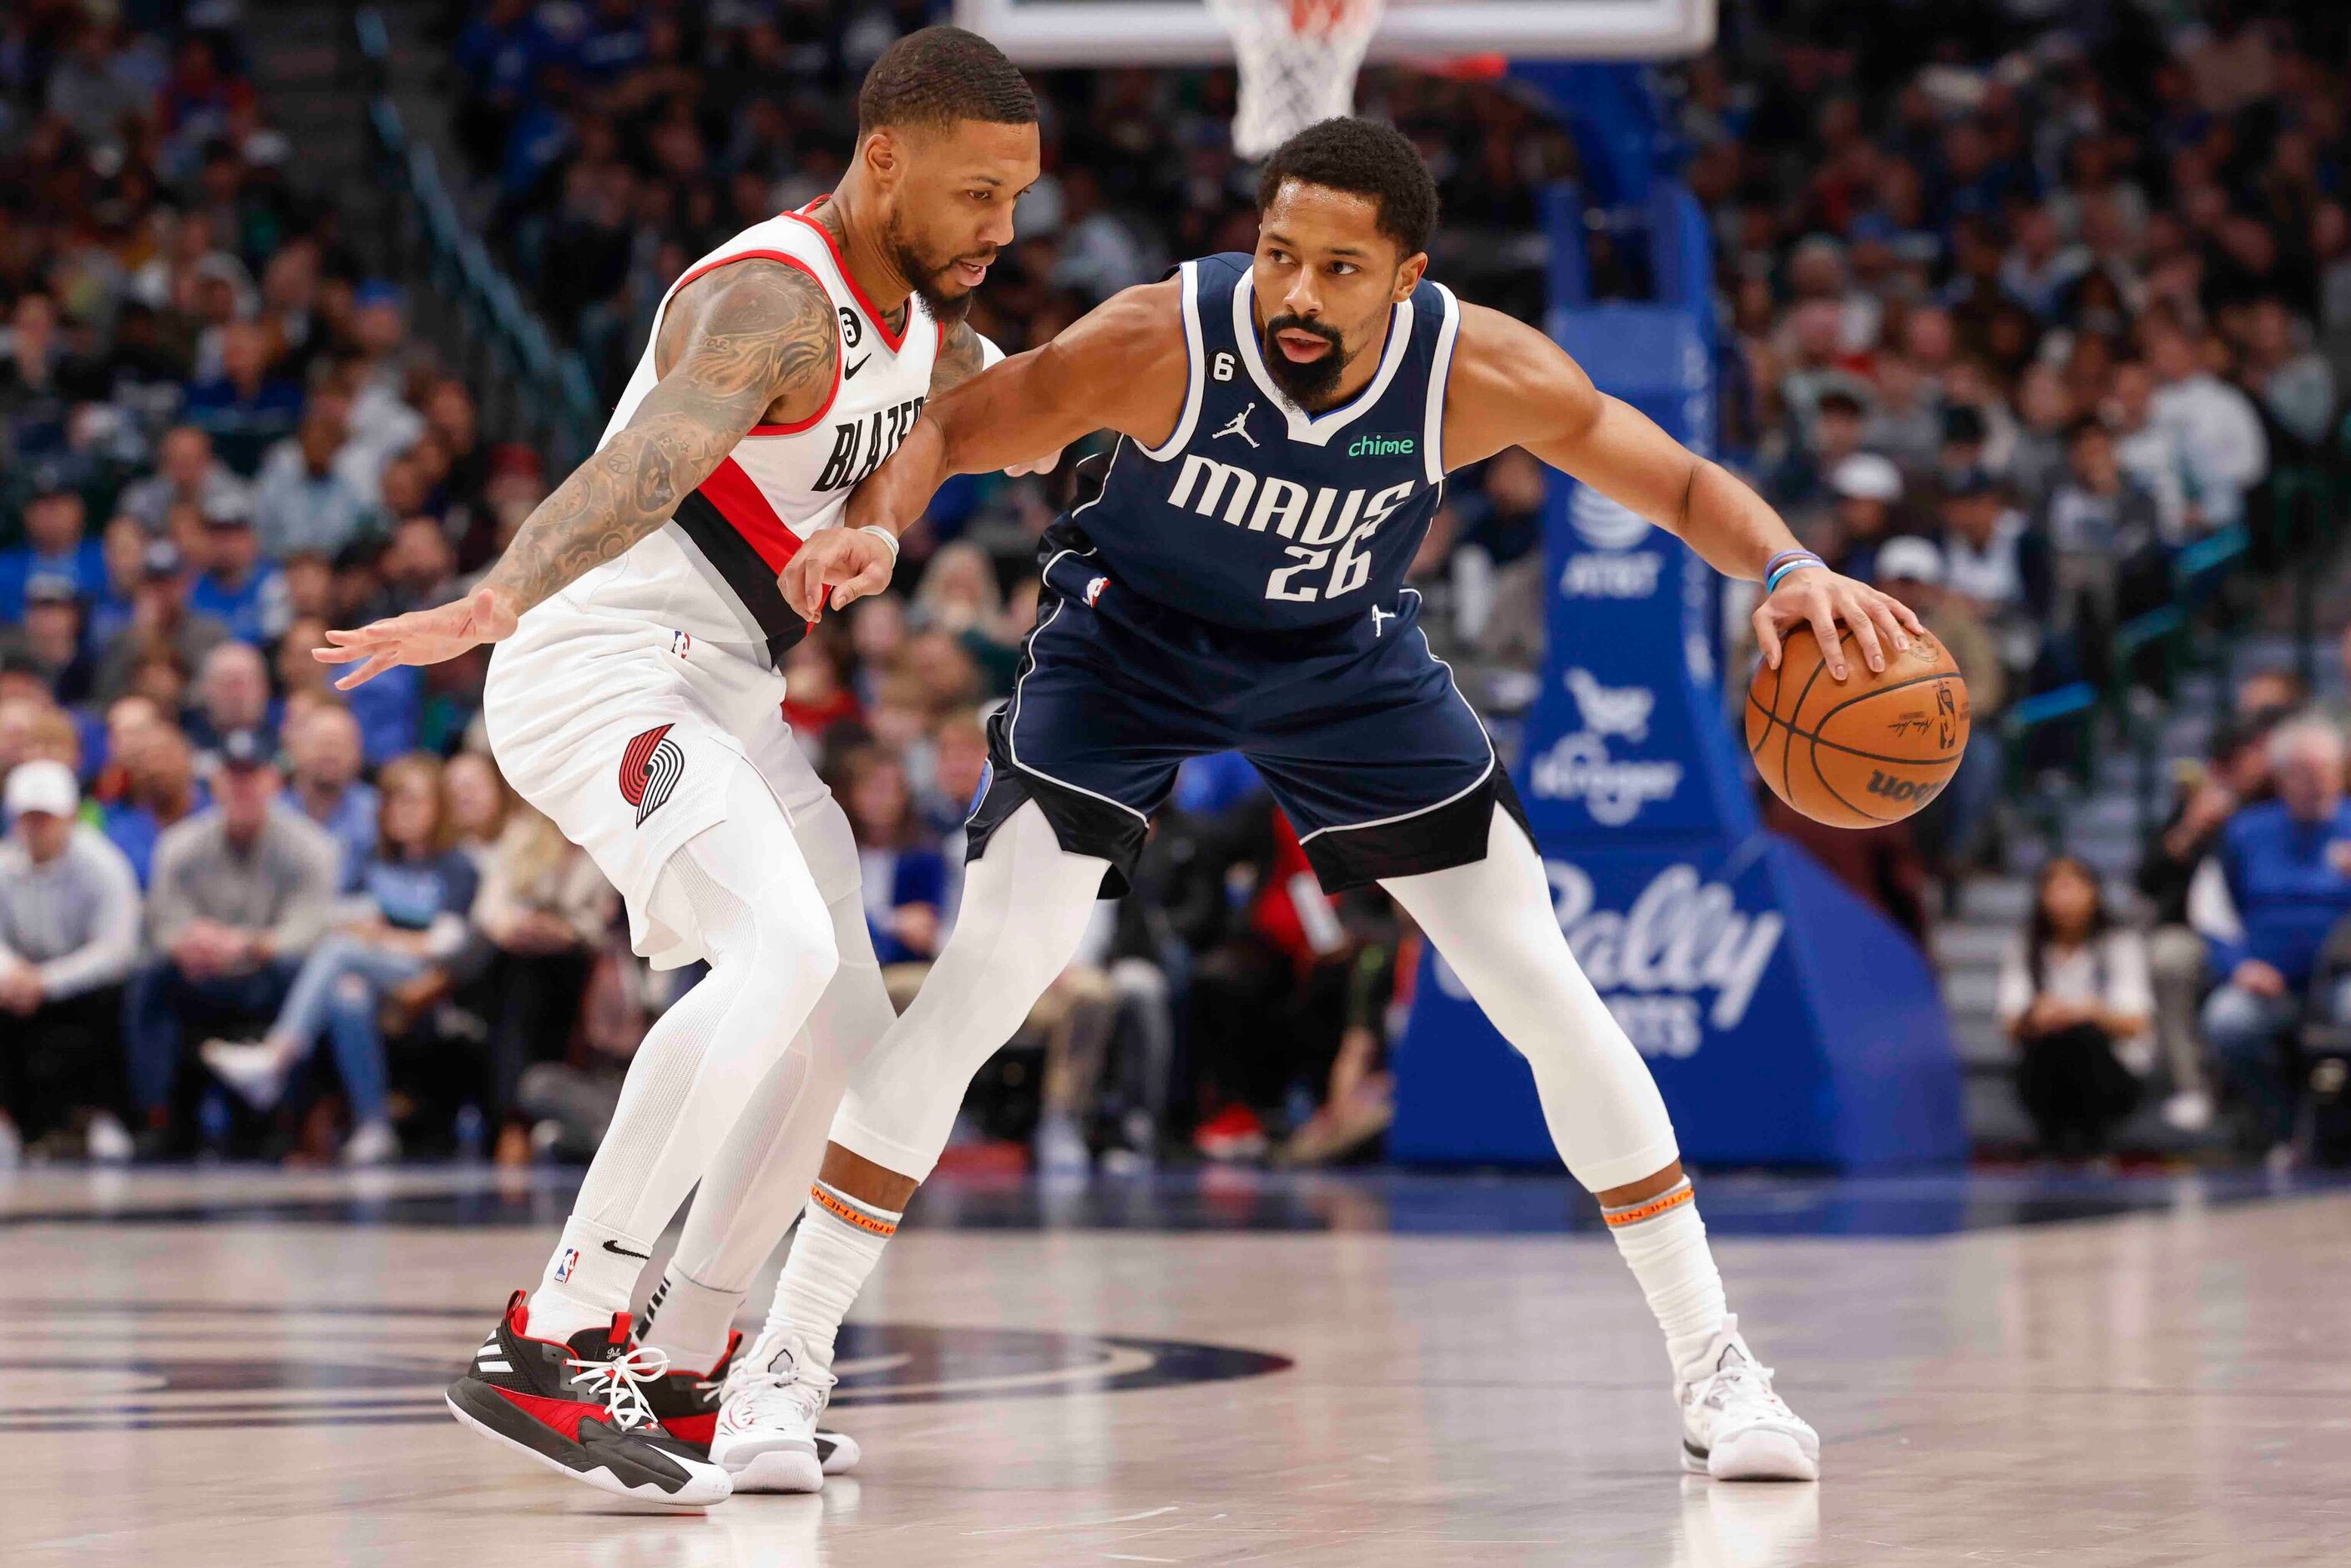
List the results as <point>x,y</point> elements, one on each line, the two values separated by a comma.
<point>1787,1022</point>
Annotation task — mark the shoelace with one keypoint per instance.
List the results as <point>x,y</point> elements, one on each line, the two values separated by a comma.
<point>617,1381</point>
<point>1745,1378</point>
<point>801,1388</point>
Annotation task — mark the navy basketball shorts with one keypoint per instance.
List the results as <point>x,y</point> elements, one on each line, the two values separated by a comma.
<point>1356,727</point>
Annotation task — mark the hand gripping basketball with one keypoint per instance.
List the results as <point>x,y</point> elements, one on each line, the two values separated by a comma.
<point>1820,599</point>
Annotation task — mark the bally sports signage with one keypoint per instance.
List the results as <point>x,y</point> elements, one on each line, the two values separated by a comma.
<point>1786,1020</point>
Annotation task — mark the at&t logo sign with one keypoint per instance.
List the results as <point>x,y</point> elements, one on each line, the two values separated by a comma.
<point>1612,567</point>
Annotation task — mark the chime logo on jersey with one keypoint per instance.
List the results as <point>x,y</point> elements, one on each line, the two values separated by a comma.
<point>859,446</point>
<point>650,767</point>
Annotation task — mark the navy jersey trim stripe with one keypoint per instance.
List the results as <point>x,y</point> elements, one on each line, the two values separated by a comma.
<point>1440,370</point>
<point>1195,370</point>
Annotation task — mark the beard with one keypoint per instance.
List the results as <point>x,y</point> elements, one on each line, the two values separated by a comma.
<point>930,276</point>
<point>1311,384</point>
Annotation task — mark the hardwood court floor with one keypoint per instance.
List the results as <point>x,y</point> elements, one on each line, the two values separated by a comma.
<point>242,1369</point>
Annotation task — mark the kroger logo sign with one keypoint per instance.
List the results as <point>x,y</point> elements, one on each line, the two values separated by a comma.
<point>1578,766</point>
<point>1683,959</point>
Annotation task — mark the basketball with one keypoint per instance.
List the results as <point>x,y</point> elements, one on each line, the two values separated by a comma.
<point>1861,752</point>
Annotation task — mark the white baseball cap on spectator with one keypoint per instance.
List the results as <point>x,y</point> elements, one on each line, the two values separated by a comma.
<point>43,785</point>
<point>1867,477</point>
<point>1908,560</point>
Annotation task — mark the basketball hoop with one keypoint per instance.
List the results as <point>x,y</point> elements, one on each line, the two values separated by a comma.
<point>1297,64</point>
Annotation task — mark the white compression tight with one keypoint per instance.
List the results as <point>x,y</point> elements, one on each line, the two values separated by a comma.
<point>744,888</point>
<point>1025,903</point>
<point>1494,923</point>
<point>761,1173</point>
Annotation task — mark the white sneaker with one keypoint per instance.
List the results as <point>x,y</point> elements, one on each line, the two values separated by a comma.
<point>372,1144</point>
<point>2190,1110</point>
<point>107,1141</point>
<point>1061,1148</point>
<point>1734,1428</point>
<point>766,1437</point>
<point>253,1069</point>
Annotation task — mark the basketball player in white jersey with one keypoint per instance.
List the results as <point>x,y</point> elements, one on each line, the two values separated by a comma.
<point>634,696</point>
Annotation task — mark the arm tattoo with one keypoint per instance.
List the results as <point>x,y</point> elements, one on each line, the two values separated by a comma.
<point>763,334</point>
<point>959,359</point>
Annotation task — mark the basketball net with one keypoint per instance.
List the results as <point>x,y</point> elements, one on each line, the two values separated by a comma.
<point>1298,63</point>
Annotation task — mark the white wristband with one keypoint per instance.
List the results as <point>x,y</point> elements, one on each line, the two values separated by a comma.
<point>883,534</point>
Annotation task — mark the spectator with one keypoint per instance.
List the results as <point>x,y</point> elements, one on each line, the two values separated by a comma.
<point>2072,993</point>
<point>904,876</point>
<point>53,546</point>
<point>2235,775</point>
<point>238,588</point>
<point>50,640</point>
<point>304,501</point>
<point>186,474</point>
<point>163,625</point>
<point>161,791</point>
<point>2219,432</point>
<point>244,409</point>
<point>240,895</point>
<point>543,908</point>
<point>68,935</point>
<point>816,693</point>
<point>1986,557</point>
<point>478,802</point>
<point>2150,451</point>
<point>408,918</point>
<point>232,698</point>
<point>1867,489</point>
<point>123,548</point>
<point>2293,381</point>
<point>2104,538</point>
<point>2277,882</point>
<point>323,747</point>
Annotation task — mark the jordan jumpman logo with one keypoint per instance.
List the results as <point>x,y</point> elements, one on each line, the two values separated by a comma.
<point>1240,427</point>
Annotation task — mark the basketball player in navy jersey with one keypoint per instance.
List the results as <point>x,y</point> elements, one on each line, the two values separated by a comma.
<point>1285,420</point>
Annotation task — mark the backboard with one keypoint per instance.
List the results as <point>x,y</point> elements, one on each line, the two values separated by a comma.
<point>1181,32</point>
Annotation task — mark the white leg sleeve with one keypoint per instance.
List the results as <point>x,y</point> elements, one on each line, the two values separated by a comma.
<point>746,890</point>
<point>1025,903</point>
<point>1494,924</point>
<point>762,1173</point>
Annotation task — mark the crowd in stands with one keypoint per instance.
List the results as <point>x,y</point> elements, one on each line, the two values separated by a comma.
<point>2014,314</point>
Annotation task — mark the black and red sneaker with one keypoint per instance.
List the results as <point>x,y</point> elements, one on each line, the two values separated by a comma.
<point>687,1404</point>
<point>582,1409</point>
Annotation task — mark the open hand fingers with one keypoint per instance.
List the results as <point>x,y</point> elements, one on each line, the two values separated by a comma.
<point>1767,636</point>
<point>1855,610</point>
<point>376,664</point>
<point>1822,615</point>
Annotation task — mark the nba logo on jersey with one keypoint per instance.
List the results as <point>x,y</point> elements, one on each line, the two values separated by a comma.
<point>570,1261</point>
<point>1095,590</point>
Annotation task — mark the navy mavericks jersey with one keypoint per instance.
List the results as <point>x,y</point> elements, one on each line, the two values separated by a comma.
<point>1257,515</point>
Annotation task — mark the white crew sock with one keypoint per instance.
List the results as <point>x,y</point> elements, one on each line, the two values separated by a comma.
<point>689,1322</point>
<point>587,1280</point>
<point>1663,1243</point>
<point>840,1239</point>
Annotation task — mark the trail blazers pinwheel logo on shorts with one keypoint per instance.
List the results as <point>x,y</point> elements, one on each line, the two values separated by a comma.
<point>649,771</point>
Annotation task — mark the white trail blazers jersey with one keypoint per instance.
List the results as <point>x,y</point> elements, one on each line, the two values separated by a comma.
<point>710,570</point>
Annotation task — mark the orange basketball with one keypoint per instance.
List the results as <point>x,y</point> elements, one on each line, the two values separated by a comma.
<point>1863,751</point>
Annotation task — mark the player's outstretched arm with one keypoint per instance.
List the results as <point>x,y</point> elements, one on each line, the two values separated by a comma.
<point>1513,386</point>
<point>1119,367</point>
<point>751,336</point>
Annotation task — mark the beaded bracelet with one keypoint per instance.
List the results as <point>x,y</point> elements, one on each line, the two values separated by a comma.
<point>1773,583</point>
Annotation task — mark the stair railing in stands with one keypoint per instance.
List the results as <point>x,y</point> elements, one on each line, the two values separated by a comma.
<point>530,390</point>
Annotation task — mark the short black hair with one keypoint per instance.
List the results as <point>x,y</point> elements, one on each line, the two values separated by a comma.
<point>937,75</point>
<point>1363,158</point>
